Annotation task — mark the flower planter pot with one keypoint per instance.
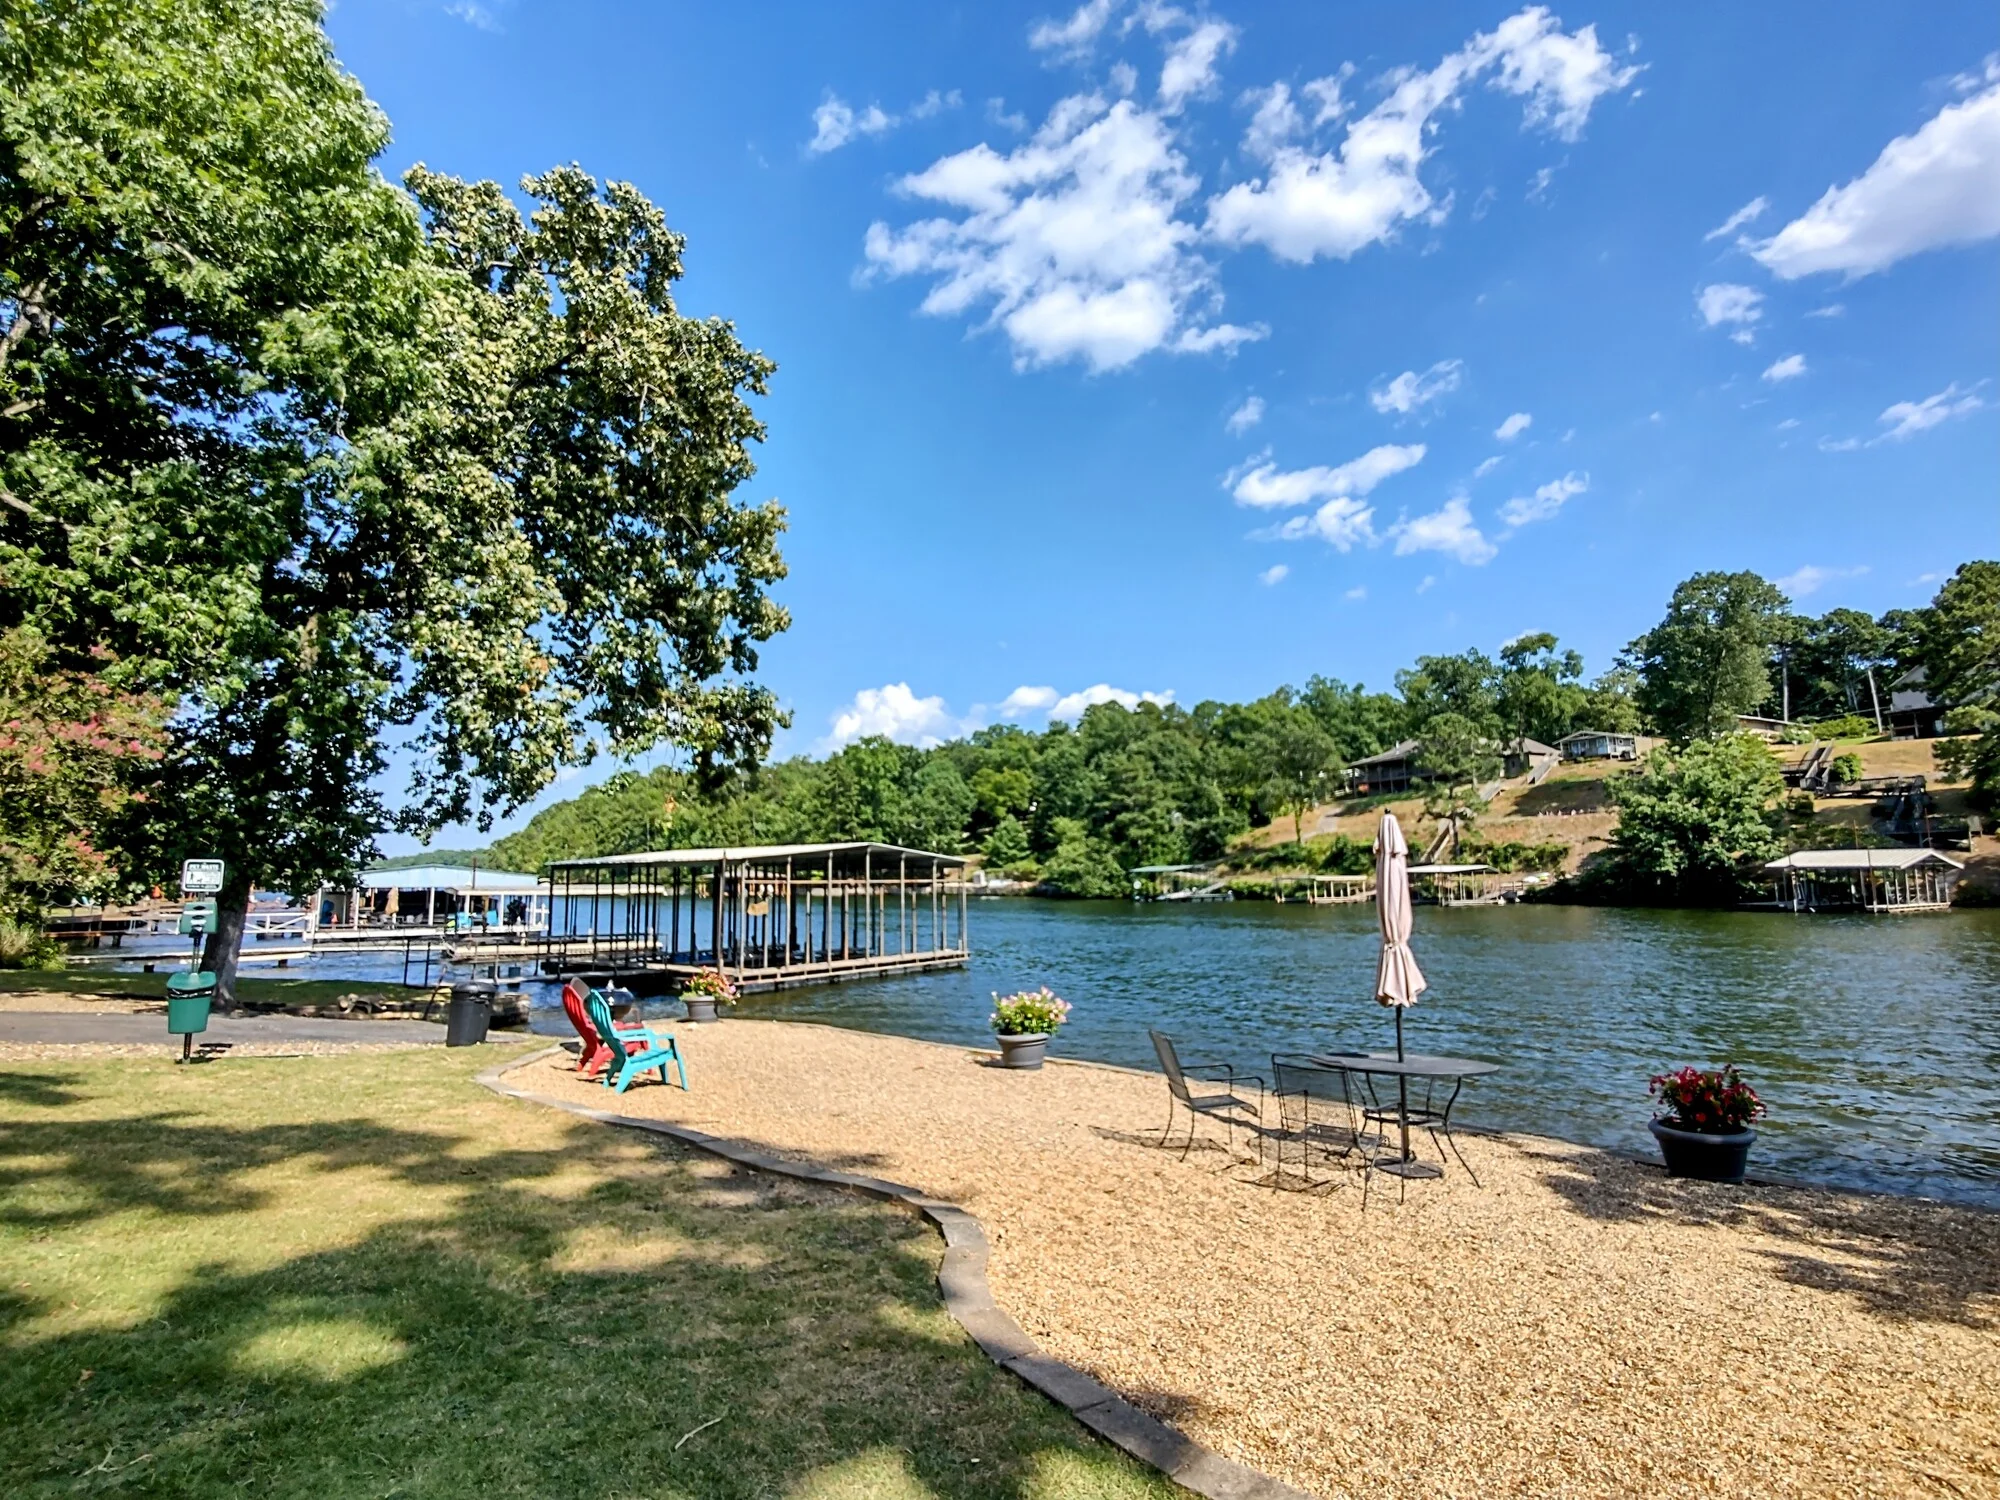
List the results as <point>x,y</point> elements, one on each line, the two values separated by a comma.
<point>1024,1050</point>
<point>1704,1157</point>
<point>702,1008</point>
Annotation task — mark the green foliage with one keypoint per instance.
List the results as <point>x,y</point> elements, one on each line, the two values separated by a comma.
<point>1541,692</point>
<point>1301,759</point>
<point>1848,727</point>
<point>1706,662</point>
<point>1006,846</point>
<point>1958,643</point>
<point>1846,767</point>
<point>1510,856</point>
<point>1693,819</point>
<point>72,749</point>
<point>335,466</point>
<point>22,946</point>
<point>1082,866</point>
<point>1467,685</point>
<point>1457,756</point>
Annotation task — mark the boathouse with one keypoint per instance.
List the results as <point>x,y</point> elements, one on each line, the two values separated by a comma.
<point>436,896</point>
<point>1598,744</point>
<point>1890,880</point>
<point>770,917</point>
<point>1526,757</point>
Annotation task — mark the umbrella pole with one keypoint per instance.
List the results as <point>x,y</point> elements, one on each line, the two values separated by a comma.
<point>1402,1088</point>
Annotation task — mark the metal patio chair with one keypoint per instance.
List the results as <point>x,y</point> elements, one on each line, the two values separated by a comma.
<point>1319,1114</point>
<point>1226,1106</point>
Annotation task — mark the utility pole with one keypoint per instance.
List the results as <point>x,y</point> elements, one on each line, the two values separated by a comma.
<point>1875,697</point>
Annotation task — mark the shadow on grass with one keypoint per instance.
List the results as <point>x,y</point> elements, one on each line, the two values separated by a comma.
<point>197,1301</point>
<point>1903,1259</point>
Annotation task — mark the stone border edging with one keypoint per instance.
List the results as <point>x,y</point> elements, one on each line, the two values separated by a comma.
<point>969,1299</point>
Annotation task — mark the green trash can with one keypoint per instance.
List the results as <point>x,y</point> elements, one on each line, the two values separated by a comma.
<point>189,997</point>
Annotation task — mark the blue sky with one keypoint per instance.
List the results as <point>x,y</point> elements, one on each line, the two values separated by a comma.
<point>1142,349</point>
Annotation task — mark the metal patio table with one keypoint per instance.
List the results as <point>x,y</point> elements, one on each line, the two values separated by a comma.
<point>1432,1070</point>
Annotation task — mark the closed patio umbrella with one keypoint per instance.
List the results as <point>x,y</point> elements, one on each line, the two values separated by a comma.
<point>1398,980</point>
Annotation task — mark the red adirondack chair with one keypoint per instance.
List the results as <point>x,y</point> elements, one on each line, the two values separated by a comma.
<point>595,1052</point>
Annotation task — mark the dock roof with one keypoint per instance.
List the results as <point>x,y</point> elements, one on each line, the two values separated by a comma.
<point>448,878</point>
<point>756,854</point>
<point>1862,859</point>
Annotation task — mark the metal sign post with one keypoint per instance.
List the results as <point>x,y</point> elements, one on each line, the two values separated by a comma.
<point>190,993</point>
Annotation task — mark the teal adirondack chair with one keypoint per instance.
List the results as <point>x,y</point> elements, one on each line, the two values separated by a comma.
<point>624,1066</point>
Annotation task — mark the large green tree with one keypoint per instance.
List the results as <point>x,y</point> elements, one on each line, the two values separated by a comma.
<point>1541,691</point>
<point>1959,648</point>
<point>1695,820</point>
<point>345,473</point>
<point>1708,660</point>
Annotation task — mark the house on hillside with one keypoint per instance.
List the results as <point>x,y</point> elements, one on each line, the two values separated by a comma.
<point>1526,757</point>
<point>1598,744</point>
<point>1394,770</point>
<point>1913,713</point>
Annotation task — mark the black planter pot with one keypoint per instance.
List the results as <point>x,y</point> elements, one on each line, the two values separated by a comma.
<point>1704,1157</point>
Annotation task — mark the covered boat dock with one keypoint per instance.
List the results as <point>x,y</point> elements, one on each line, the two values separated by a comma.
<point>770,917</point>
<point>1883,880</point>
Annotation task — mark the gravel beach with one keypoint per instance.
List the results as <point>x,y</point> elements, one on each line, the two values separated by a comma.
<point>1578,1325</point>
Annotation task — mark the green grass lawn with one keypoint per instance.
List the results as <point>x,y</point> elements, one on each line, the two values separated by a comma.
<point>365,1275</point>
<point>251,990</point>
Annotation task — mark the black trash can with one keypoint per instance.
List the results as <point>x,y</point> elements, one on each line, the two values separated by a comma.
<point>470,1014</point>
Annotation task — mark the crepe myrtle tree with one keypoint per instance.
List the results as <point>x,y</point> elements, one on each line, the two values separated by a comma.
<point>335,468</point>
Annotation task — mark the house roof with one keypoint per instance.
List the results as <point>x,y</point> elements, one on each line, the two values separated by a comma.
<point>1522,745</point>
<point>448,878</point>
<point>1402,750</point>
<point>1863,859</point>
<point>754,854</point>
<point>1596,734</point>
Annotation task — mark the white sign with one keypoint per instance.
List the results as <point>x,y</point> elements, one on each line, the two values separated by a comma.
<point>201,877</point>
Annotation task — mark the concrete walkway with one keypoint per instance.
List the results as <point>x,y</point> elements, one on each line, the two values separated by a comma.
<point>124,1029</point>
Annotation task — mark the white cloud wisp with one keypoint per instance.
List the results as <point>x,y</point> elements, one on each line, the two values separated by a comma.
<point>1936,187</point>
<point>1546,502</point>
<point>895,713</point>
<point>1338,201</point>
<point>1450,530</point>
<point>1513,427</point>
<point>1791,367</point>
<point>1246,416</point>
<point>1409,390</point>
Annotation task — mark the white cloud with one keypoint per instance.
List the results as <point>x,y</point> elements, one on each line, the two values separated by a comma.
<point>996,111</point>
<point>1267,487</point>
<point>1073,705</point>
<point>1409,390</point>
<point>1788,424</point>
<point>1791,367</point>
<point>1539,184</point>
<point>1124,78</point>
<point>1936,187</point>
<point>1190,66</point>
<point>1075,36</point>
<point>895,712</point>
<point>1340,523</point>
<point>1546,502</point>
<point>1838,445</point>
<point>1246,416</point>
<point>479,16</point>
<point>835,123</point>
<point>1513,427</point>
<point>1360,192</point>
<point>935,103</point>
<point>1072,239</point>
<point>1359,591</point>
<point>1738,219</point>
<point>1025,699</point>
<point>1486,466</point>
<point>1450,530</point>
<point>1729,302</point>
<point>1424,587</point>
<point>1831,310</point>
<point>1912,417</point>
<point>1809,579</point>
<point>1273,574</point>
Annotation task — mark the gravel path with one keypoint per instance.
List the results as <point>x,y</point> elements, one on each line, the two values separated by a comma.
<point>1580,1326</point>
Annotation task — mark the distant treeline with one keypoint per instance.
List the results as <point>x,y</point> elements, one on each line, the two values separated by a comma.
<point>1077,806</point>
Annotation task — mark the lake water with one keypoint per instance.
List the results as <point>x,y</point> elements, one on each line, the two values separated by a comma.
<point>1875,1041</point>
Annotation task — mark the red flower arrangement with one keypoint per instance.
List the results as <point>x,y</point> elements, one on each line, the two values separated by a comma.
<point>1712,1102</point>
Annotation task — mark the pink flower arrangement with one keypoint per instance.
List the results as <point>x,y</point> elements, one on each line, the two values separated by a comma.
<point>714,984</point>
<point>1715,1102</point>
<point>1029,1013</point>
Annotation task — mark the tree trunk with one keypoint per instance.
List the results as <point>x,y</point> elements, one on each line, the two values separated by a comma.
<point>218,954</point>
